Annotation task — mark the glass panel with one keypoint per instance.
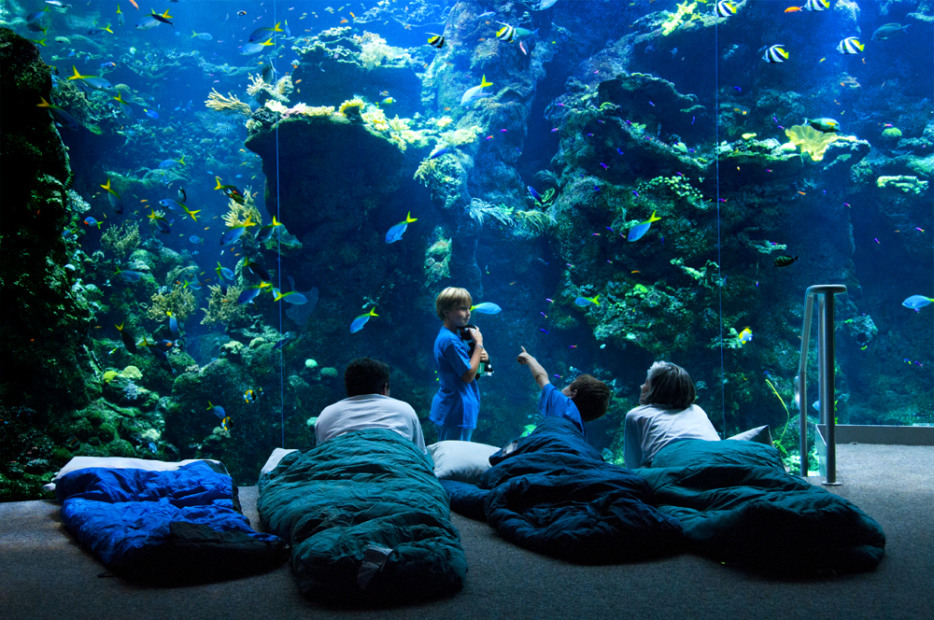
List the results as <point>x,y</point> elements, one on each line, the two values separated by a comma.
<point>296,182</point>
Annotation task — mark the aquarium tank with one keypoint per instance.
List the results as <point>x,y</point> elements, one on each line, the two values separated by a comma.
<point>210,207</point>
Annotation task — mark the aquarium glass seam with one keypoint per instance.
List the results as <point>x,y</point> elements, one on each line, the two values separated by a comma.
<point>716,95</point>
<point>279,269</point>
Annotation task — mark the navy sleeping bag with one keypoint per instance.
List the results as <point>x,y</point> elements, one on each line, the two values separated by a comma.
<point>551,492</point>
<point>167,527</point>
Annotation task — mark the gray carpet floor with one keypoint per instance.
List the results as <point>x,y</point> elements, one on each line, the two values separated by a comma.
<point>44,574</point>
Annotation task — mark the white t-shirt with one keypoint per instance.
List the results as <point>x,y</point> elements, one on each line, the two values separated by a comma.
<point>648,429</point>
<point>369,411</point>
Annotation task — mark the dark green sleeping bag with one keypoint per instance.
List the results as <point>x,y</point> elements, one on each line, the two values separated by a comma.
<point>367,520</point>
<point>738,505</point>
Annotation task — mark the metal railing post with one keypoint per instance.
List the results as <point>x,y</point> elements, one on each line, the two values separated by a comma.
<point>825,356</point>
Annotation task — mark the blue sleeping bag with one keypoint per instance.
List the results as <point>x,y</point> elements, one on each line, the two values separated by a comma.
<point>551,492</point>
<point>167,527</point>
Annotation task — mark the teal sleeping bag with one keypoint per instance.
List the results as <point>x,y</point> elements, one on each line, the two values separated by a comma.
<point>367,520</point>
<point>737,505</point>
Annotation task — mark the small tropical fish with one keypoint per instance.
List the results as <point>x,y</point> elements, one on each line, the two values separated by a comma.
<point>475,92</point>
<point>638,231</point>
<point>825,125</point>
<point>583,302</point>
<point>745,335</point>
<point>725,8</point>
<point>513,33</point>
<point>225,423</point>
<point>224,272</point>
<point>793,9</point>
<point>775,54</point>
<point>195,239</point>
<point>203,36</point>
<point>850,45</point>
<point>888,31</point>
<point>251,395</point>
<point>916,302</point>
<point>784,260</point>
<point>487,307</point>
<point>395,233</point>
<point>251,293</point>
<point>361,320</point>
<point>94,81</point>
<point>161,223</point>
<point>535,195</point>
<point>257,270</point>
<point>90,221</point>
<point>98,29</point>
<point>436,40</point>
<point>151,113</point>
<point>816,5</point>
<point>130,276</point>
<point>129,342</point>
<point>232,235</point>
<point>292,297</point>
<point>173,322</point>
<point>260,33</point>
<point>217,410</point>
<point>248,49</point>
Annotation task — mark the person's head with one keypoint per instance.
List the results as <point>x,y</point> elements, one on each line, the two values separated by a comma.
<point>668,385</point>
<point>453,300</point>
<point>590,395</point>
<point>366,376</point>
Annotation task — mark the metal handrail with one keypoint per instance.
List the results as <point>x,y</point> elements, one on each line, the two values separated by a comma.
<point>825,349</point>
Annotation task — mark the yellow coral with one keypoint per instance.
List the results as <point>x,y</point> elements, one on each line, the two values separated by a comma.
<point>121,240</point>
<point>811,141</point>
<point>352,108</point>
<point>230,103</point>
<point>238,213</point>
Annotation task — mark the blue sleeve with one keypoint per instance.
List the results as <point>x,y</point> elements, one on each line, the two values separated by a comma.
<point>454,351</point>
<point>552,403</point>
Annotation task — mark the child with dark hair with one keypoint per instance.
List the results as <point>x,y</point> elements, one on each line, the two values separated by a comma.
<point>583,400</point>
<point>666,413</point>
<point>368,405</point>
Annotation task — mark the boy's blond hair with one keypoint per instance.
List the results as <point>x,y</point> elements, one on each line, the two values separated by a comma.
<point>452,297</point>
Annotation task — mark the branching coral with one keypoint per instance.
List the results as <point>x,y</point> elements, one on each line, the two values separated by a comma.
<point>180,301</point>
<point>238,213</point>
<point>228,104</point>
<point>122,240</point>
<point>374,50</point>
<point>479,210</point>
<point>223,306</point>
<point>263,90</point>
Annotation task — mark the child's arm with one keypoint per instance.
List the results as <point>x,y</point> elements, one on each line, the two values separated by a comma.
<point>538,372</point>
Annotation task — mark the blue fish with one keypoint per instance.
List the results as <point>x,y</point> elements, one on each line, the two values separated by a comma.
<point>638,231</point>
<point>475,92</point>
<point>487,307</point>
<point>173,322</point>
<point>130,276</point>
<point>151,113</point>
<point>248,49</point>
<point>583,302</point>
<point>232,235</point>
<point>291,297</point>
<point>251,293</point>
<point>916,302</point>
<point>195,239</point>
<point>395,233</point>
<point>217,410</point>
<point>224,272</point>
<point>535,195</point>
<point>361,320</point>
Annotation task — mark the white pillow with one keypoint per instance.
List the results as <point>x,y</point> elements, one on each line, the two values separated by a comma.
<point>463,461</point>
<point>119,462</point>
<point>273,460</point>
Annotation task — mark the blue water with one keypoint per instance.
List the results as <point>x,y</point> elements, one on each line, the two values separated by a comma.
<point>686,133</point>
